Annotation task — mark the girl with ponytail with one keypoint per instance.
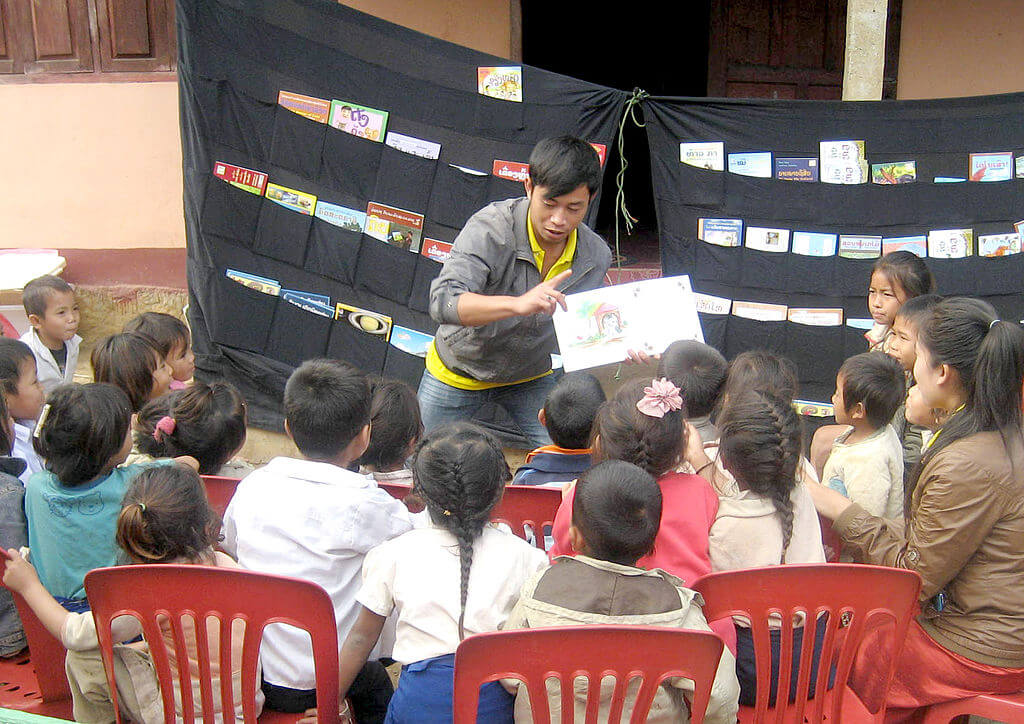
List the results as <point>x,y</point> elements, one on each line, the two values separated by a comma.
<point>164,518</point>
<point>456,577</point>
<point>964,528</point>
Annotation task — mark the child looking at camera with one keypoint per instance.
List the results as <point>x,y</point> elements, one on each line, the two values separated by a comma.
<point>24,397</point>
<point>53,313</point>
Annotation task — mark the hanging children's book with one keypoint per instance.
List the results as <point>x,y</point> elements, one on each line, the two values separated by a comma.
<point>950,243</point>
<point>991,166</point>
<point>348,219</point>
<point>710,304</point>
<point>315,109</point>
<point>998,244</point>
<point>763,239</point>
<point>292,198</point>
<point>758,164</point>
<point>842,162</point>
<point>760,312</point>
<point>362,121</point>
<point>260,284</point>
<point>255,182</point>
<point>601,326</point>
<point>831,317</point>
<point>413,146</point>
<point>511,170</point>
<point>319,304</point>
<point>411,341</point>
<point>710,156</point>
<point>723,232</point>
<point>364,320</point>
<point>914,244</point>
<point>796,169</point>
<point>810,243</point>
<point>894,173</point>
<point>502,82</point>
<point>860,247</point>
<point>436,249</point>
<point>397,227</point>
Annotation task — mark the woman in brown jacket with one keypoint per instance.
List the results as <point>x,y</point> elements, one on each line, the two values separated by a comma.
<point>964,528</point>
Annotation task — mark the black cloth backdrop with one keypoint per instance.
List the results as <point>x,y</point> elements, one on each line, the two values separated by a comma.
<point>938,134</point>
<point>234,58</point>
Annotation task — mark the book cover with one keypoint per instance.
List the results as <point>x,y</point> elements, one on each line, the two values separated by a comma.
<point>1019,226</point>
<point>723,232</point>
<point>814,409</point>
<point>864,324</point>
<point>411,145</point>
<point>710,304</point>
<point>260,284</point>
<point>859,247</point>
<point>511,170</point>
<point>362,121</point>
<point>811,243</point>
<point>998,244</point>
<point>602,151</point>
<point>763,239</point>
<point>397,227</point>
<point>894,173</point>
<point>709,156</point>
<point>841,150</point>
<point>364,320</point>
<point>255,182</point>
<point>1020,166</point>
<point>502,82</point>
<point>315,109</point>
<point>948,179</point>
<point>760,312</point>
<point>844,172</point>
<point>436,249</point>
<point>292,199</point>
<point>796,169</point>
<point>826,317</point>
<point>319,304</point>
<point>410,341</point>
<point>757,164</point>
<point>914,244</point>
<point>950,243</point>
<point>991,166</point>
<point>348,219</point>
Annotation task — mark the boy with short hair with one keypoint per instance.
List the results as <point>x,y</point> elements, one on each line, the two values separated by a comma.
<point>568,414</point>
<point>866,462</point>
<point>699,371</point>
<point>313,519</point>
<point>902,347</point>
<point>52,311</point>
<point>615,519</point>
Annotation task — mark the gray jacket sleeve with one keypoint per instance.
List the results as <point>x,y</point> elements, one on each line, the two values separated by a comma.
<point>478,249</point>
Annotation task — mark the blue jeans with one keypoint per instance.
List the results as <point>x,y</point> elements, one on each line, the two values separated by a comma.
<point>441,404</point>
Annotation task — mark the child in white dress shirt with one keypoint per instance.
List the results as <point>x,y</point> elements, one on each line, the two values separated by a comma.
<point>53,313</point>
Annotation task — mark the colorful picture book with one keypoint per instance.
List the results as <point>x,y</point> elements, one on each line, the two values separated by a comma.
<point>842,162</point>
<point>709,156</point>
<point>894,173</point>
<point>723,232</point>
<point>346,218</point>
<point>315,109</point>
<point>255,182</point>
<point>511,170</point>
<point>411,341</point>
<point>811,243</point>
<point>763,239</point>
<point>436,250</point>
<point>757,164</point>
<point>999,244</point>
<point>860,247</point>
<point>397,227</point>
<point>796,169</point>
<point>950,243</point>
<point>364,320</point>
<point>362,121</point>
<point>914,244</point>
<point>292,199</point>
<point>260,284</point>
<point>319,304</point>
<point>502,82</point>
<point>991,166</point>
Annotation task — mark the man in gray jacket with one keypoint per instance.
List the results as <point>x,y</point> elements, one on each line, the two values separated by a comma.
<point>510,266</point>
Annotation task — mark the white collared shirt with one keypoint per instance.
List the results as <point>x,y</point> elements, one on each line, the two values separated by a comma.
<point>314,521</point>
<point>23,449</point>
<point>47,370</point>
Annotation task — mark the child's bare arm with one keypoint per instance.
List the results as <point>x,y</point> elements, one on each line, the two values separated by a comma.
<point>20,576</point>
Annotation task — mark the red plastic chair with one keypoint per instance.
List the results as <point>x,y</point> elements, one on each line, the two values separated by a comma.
<point>1001,707</point>
<point>219,491</point>
<point>155,593</point>
<point>536,655</point>
<point>522,507</point>
<point>859,600</point>
<point>49,692</point>
<point>7,329</point>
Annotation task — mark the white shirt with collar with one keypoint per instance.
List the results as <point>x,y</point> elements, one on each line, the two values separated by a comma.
<point>47,370</point>
<point>315,521</point>
<point>23,449</point>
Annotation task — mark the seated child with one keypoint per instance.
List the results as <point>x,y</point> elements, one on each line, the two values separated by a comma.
<point>615,520</point>
<point>459,576</point>
<point>24,397</point>
<point>164,518</point>
<point>903,348</point>
<point>132,363</point>
<point>72,506</point>
<point>314,519</point>
<point>568,414</point>
<point>53,313</point>
<point>395,428</point>
<point>13,530</point>
<point>172,339</point>
<point>699,371</point>
<point>206,422</point>
<point>866,462</point>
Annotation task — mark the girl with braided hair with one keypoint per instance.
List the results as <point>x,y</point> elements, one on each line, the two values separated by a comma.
<point>460,575</point>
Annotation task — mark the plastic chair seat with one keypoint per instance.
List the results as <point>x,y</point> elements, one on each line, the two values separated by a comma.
<point>1001,707</point>
<point>219,491</point>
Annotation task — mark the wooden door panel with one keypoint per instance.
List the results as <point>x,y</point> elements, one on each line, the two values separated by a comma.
<point>135,35</point>
<point>60,38</point>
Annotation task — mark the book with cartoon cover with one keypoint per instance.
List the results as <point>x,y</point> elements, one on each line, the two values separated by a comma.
<point>502,82</point>
<point>397,227</point>
<point>362,121</point>
<point>894,173</point>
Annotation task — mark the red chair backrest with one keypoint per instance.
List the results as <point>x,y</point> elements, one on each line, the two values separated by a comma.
<point>46,651</point>
<point>858,600</point>
<point>521,506</point>
<point>7,329</point>
<point>624,652</point>
<point>165,593</point>
<point>219,491</point>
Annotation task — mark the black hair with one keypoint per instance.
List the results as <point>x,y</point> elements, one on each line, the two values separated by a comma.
<point>460,472</point>
<point>655,444</point>
<point>617,509</point>
<point>37,293</point>
<point>13,354</point>
<point>760,445</point>
<point>127,360</point>
<point>326,404</point>
<point>6,434</point>
<point>916,310</point>
<point>165,331</point>
<point>81,428</point>
<point>166,517</point>
<point>563,164</point>
<point>395,423</point>
<point>761,369</point>
<point>698,370</point>
<point>877,381</point>
<point>908,270</point>
<point>208,424</point>
<point>988,356</point>
<point>570,409</point>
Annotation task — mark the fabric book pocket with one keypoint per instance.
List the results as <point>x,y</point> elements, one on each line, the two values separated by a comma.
<point>247,123</point>
<point>386,270</point>
<point>456,196</point>
<point>404,180</point>
<point>401,365</point>
<point>349,164</point>
<point>361,349</point>
<point>297,335</point>
<point>495,114</point>
<point>333,251</point>
<point>298,143</point>
<point>745,334</point>
<point>230,212</point>
<point>818,354</point>
<point>426,272</point>
<point>282,233</point>
<point>231,304</point>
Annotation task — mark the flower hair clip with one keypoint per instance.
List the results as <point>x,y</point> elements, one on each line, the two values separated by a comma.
<point>164,425</point>
<point>659,398</point>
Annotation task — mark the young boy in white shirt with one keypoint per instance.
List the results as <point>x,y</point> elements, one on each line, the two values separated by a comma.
<point>312,518</point>
<point>52,311</point>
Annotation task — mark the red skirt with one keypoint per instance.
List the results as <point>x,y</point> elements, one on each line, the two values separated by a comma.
<point>926,674</point>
